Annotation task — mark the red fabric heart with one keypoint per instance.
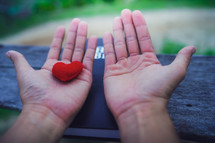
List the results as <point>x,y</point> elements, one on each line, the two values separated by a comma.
<point>66,72</point>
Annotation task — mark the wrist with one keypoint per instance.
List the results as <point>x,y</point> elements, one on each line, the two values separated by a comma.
<point>149,122</point>
<point>43,122</point>
<point>42,114</point>
<point>35,124</point>
<point>144,111</point>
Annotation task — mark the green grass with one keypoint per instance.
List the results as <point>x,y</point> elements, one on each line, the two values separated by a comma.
<point>17,24</point>
<point>5,114</point>
<point>209,52</point>
<point>7,118</point>
<point>172,47</point>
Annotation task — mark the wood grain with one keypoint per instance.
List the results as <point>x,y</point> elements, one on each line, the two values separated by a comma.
<point>191,107</point>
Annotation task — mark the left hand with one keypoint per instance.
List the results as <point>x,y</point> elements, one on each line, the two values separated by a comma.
<point>42,92</point>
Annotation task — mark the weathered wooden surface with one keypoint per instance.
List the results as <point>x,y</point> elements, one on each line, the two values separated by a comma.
<point>192,105</point>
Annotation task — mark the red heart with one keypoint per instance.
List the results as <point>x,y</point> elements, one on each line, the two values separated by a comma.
<point>66,72</point>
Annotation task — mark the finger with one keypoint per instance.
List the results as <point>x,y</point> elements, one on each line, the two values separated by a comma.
<point>110,57</point>
<point>143,35</point>
<point>55,48</point>
<point>80,42</point>
<point>119,41</point>
<point>182,60</point>
<point>19,61</point>
<point>70,42</point>
<point>131,38</point>
<point>90,53</point>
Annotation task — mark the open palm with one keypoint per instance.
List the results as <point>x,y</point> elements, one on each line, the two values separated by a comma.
<point>40,89</point>
<point>133,74</point>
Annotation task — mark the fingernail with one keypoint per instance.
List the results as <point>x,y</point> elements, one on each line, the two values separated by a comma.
<point>76,19</point>
<point>8,54</point>
<point>126,11</point>
<point>93,36</point>
<point>193,50</point>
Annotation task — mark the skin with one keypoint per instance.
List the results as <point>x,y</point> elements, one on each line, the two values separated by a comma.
<point>50,105</point>
<point>137,87</point>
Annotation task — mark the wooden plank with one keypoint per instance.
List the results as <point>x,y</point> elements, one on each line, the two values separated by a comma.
<point>191,107</point>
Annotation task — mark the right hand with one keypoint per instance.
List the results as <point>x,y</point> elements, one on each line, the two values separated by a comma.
<point>137,79</point>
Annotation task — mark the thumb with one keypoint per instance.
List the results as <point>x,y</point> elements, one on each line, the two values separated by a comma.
<point>19,61</point>
<point>183,58</point>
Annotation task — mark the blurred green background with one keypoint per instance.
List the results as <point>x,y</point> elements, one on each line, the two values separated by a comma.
<point>19,15</point>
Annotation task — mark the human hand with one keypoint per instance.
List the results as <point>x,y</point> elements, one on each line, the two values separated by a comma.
<point>135,82</point>
<point>41,92</point>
